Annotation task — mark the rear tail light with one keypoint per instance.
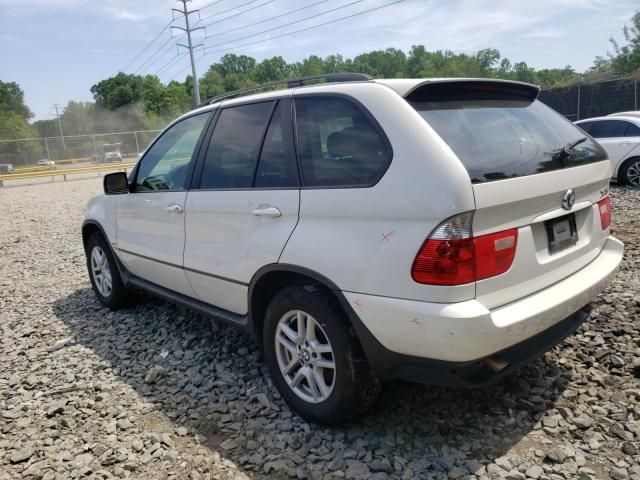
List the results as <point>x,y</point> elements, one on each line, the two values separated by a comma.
<point>452,256</point>
<point>604,206</point>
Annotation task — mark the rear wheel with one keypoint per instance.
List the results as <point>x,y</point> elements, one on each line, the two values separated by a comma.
<point>104,274</point>
<point>315,361</point>
<point>630,172</point>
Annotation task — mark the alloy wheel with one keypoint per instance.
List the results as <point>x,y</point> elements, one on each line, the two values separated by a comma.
<point>305,356</point>
<point>101,271</point>
<point>633,174</point>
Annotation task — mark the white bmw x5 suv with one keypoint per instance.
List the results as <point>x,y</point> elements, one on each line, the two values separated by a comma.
<point>437,230</point>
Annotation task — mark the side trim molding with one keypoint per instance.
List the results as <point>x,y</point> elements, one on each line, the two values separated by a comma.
<point>231,280</point>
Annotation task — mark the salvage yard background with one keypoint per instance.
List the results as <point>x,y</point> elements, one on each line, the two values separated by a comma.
<point>153,391</point>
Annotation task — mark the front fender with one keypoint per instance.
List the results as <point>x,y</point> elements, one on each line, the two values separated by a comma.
<point>101,211</point>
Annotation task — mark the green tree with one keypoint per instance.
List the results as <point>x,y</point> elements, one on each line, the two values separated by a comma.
<point>118,91</point>
<point>12,100</point>
<point>389,63</point>
<point>14,121</point>
<point>271,69</point>
<point>626,58</point>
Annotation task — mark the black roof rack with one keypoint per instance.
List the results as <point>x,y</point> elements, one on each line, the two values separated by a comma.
<point>292,83</point>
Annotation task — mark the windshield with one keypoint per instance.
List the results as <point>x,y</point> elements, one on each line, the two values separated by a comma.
<point>499,139</point>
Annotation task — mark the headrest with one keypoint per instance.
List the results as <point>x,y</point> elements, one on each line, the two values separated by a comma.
<point>353,142</point>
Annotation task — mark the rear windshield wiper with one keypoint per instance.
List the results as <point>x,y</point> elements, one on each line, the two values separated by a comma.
<point>565,151</point>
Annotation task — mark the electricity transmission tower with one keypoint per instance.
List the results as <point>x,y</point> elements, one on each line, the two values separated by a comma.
<point>56,107</point>
<point>190,46</point>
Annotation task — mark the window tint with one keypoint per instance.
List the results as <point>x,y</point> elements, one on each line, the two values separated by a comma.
<point>338,144</point>
<point>277,166</point>
<point>501,138</point>
<point>608,129</point>
<point>586,126</point>
<point>632,130</point>
<point>166,163</point>
<point>233,150</point>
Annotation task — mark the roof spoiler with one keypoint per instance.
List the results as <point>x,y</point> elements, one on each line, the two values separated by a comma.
<point>476,89</point>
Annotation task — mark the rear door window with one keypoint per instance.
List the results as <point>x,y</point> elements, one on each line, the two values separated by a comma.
<point>233,151</point>
<point>277,167</point>
<point>608,129</point>
<point>500,138</point>
<point>339,145</point>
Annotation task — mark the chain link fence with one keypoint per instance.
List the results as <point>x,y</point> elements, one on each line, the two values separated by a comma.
<point>96,148</point>
<point>593,100</point>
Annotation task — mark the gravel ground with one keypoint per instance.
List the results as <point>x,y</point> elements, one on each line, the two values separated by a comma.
<point>153,391</point>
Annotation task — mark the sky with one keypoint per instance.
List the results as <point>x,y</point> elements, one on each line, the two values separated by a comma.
<point>57,49</point>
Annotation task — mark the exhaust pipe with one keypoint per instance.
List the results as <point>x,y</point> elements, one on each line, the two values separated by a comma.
<point>495,363</point>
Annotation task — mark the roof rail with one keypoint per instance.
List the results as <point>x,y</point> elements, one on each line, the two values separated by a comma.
<point>292,83</point>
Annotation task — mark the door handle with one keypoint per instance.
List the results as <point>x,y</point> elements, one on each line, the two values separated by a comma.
<point>626,144</point>
<point>267,211</point>
<point>174,209</point>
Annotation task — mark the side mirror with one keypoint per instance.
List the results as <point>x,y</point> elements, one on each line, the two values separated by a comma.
<point>116,183</point>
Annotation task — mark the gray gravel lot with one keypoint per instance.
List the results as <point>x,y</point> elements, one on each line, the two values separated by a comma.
<point>153,391</point>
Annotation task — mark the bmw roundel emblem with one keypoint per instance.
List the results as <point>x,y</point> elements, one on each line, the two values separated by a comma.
<point>568,199</point>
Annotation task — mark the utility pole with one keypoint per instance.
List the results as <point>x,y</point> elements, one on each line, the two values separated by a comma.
<point>56,106</point>
<point>190,46</point>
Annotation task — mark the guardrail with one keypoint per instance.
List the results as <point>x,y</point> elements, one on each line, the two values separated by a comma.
<point>64,172</point>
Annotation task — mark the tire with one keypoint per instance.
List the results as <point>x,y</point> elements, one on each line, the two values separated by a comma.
<point>98,251</point>
<point>349,388</point>
<point>629,174</point>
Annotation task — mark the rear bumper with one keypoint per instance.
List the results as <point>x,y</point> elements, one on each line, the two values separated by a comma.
<point>447,343</point>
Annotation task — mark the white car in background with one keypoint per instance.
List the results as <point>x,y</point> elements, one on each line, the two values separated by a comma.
<point>46,162</point>
<point>635,113</point>
<point>620,137</point>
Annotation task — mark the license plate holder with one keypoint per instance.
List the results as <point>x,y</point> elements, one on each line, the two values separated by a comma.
<point>562,232</point>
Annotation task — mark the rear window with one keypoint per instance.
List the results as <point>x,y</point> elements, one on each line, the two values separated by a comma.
<point>503,138</point>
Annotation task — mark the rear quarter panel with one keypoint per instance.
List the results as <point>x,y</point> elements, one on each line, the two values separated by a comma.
<point>365,239</point>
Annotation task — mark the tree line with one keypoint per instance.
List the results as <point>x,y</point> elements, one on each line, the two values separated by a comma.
<point>134,102</point>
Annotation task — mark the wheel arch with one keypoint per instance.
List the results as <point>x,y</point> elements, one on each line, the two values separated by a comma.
<point>622,164</point>
<point>271,278</point>
<point>89,227</point>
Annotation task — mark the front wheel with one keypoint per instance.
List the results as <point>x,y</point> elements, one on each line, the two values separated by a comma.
<point>630,172</point>
<point>104,274</point>
<point>315,360</point>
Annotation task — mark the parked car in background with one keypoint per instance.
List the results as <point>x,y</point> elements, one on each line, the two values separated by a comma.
<point>47,162</point>
<point>620,137</point>
<point>108,152</point>
<point>445,231</point>
<point>635,113</point>
<point>6,168</point>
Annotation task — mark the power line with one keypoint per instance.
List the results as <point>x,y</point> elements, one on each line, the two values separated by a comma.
<point>288,24</point>
<point>268,19</point>
<point>237,14</point>
<point>295,31</point>
<point>210,4</point>
<point>132,61</point>
<point>142,67</point>
<point>228,10</point>
<point>306,28</point>
<point>175,75</point>
<point>173,61</point>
